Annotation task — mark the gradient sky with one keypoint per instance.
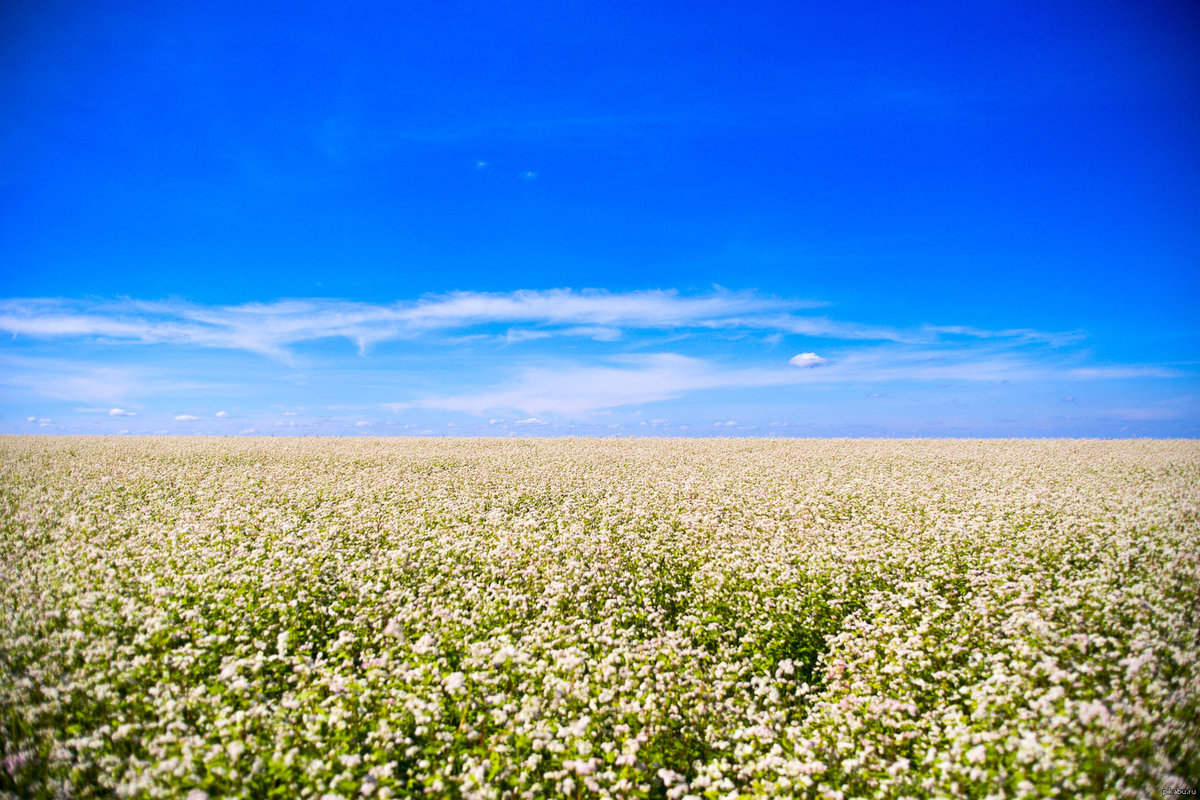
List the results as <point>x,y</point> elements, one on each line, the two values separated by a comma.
<point>799,219</point>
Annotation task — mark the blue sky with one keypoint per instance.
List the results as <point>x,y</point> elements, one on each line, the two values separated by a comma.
<point>796,219</point>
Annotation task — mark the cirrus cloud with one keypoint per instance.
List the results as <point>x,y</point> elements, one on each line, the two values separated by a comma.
<point>273,328</point>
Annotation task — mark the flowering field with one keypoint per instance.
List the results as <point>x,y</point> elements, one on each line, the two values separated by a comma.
<point>581,618</point>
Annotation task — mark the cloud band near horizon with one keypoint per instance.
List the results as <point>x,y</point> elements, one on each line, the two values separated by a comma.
<point>270,328</point>
<point>559,354</point>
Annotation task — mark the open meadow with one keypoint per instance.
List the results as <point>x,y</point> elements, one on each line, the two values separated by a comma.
<point>344,618</point>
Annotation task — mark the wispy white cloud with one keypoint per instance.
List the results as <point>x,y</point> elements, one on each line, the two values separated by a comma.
<point>1124,372</point>
<point>271,329</point>
<point>581,390</point>
<point>1173,408</point>
<point>597,333</point>
<point>826,328</point>
<point>66,379</point>
<point>515,334</point>
<point>1154,414</point>
<point>120,412</point>
<point>627,380</point>
<point>1057,339</point>
<point>640,309</point>
<point>186,418</point>
<point>82,381</point>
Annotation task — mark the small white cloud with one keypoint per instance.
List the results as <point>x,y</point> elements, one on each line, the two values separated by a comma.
<point>495,421</point>
<point>160,433</point>
<point>289,413</point>
<point>247,430</point>
<point>123,432</point>
<point>221,414</point>
<point>451,424</point>
<point>185,418</point>
<point>807,360</point>
<point>120,412</point>
<point>481,165</point>
<point>779,424</point>
<point>529,176</point>
<point>660,422</point>
<point>362,423</point>
<point>530,421</point>
<point>1069,399</point>
<point>726,424</point>
<point>874,394</point>
<point>31,419</point>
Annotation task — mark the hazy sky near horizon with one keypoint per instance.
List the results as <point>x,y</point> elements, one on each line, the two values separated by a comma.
<point>799,219</point>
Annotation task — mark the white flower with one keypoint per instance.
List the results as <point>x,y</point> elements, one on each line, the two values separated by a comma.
<point>591,595</point>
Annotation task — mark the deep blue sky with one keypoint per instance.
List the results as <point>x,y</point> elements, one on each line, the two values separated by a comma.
<point>908,167</point>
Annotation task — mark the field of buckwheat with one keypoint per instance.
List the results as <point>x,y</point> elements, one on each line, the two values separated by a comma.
<point>345,618</point>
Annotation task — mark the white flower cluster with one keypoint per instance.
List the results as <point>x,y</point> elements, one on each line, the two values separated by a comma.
<point>686,619</point>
